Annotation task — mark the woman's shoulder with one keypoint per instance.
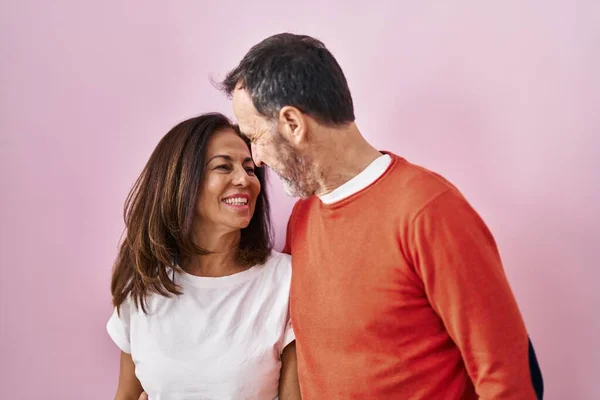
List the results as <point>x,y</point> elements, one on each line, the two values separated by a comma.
<point>278,257</point>
<point>279,260</point>
<point>279,264</point>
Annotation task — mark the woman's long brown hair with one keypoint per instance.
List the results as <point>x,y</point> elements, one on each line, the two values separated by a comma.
<point>160,209</point>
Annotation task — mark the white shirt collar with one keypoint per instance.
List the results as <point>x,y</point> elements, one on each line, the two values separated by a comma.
<point>366,177</point>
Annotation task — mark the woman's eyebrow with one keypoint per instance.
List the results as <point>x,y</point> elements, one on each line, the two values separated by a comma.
<point>225,156</point>
<point>229,158</point>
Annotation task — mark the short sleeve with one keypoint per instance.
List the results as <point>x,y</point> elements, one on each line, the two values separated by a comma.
<point>288,334</point>
<point>118,328</point>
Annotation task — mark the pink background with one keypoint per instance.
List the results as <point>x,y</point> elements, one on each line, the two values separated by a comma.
<point>503,99</point>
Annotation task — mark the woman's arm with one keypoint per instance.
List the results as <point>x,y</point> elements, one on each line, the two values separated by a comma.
<point>129,386</point>
<point>289,389</point>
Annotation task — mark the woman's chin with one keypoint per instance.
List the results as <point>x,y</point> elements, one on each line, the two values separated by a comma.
<point>240,223</point>
<point>245,225</point>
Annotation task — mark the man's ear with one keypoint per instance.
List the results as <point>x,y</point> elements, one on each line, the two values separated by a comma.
<point>292,124</point>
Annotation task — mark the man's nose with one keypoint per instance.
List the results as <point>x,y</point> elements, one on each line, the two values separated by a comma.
<point>255,155</point>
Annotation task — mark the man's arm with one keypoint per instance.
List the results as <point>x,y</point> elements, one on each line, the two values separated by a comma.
<point>456,257</point>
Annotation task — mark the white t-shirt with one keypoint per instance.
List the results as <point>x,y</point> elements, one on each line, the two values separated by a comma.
<point>220,340</point>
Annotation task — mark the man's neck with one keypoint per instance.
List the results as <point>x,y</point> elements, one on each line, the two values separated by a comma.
<point>340,155</point>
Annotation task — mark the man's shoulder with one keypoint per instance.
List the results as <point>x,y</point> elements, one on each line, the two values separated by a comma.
<point>417,176</point>
<point>303,206</point>
<point>413,186</point>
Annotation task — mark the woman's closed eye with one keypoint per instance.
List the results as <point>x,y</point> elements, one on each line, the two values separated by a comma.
<point>223,167</point>
<point>229,168</point>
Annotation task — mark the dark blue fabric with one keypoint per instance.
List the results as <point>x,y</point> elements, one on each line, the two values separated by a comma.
<point>536,373</point>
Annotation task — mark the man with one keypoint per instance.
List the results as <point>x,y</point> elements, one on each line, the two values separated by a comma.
<point>398,291</point>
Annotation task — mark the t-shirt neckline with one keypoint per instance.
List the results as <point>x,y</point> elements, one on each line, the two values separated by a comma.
<point>220,281</point>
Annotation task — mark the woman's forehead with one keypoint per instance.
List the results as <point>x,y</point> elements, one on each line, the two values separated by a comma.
<point>227,142</point>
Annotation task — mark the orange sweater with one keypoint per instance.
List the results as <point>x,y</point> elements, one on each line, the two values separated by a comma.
<point>398,292</point>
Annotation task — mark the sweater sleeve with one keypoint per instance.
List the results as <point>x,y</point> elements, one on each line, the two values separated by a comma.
<point>457,259</point>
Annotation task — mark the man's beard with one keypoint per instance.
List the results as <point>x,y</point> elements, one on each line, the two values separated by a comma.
<point>292,189</point>
<point>295,173</point>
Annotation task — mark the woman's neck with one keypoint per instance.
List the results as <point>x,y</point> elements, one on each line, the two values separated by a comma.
<point>221,261</point>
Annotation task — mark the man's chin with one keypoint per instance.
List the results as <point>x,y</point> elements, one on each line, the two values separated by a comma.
<point>288,188</point>
<point>293,190</point>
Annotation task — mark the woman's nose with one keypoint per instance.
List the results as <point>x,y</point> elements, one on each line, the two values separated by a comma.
<point>240,177</point>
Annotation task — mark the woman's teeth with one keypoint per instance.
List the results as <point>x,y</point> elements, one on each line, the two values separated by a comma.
<point>236,201</point>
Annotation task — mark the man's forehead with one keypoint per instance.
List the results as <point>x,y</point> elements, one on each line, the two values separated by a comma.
<point>242,98</point>
<point>245,131</point>
<point>243,106</point>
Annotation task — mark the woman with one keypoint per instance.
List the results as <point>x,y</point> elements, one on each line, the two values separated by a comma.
<point>201,301</point>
